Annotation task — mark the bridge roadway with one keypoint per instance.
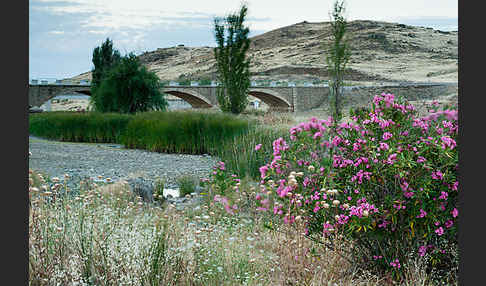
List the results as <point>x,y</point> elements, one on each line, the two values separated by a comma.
<point>278,98</point>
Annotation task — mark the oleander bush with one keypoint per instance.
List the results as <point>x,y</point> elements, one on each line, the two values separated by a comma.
<point>387,181</point>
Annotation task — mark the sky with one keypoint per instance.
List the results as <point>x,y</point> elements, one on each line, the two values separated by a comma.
<point>63,33</point>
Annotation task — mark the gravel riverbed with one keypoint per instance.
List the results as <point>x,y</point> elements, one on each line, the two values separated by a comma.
<point>89,160</point>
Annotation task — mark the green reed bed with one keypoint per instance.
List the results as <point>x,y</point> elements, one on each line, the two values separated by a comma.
<point>79,127</point>
<point>170,132</point>
<point>182,132</point>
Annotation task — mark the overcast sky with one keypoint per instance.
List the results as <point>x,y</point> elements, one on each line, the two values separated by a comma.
<point>63,33</point>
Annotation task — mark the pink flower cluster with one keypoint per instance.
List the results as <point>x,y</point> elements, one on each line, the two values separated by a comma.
<point>395,263</point>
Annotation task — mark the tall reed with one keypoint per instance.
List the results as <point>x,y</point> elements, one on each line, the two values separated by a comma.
<point>79,127</point>
<point>239,152</point>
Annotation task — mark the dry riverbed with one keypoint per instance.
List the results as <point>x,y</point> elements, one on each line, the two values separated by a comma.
<point>90,160</point>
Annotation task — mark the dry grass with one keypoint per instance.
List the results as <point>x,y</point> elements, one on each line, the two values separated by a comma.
<point>107,236</point>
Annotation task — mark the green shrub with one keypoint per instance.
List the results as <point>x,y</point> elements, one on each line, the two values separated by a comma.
<point>187,185</point>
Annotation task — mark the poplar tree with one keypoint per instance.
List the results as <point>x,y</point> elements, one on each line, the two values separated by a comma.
<point>337,58</point>
<point>104,58</point>
<point>232,64</point>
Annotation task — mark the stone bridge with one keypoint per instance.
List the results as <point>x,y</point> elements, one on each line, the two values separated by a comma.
<point>40,93</point>
<point>300,98</point>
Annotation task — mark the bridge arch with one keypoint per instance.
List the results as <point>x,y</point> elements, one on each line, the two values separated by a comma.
<point>193,98</point>
<point>39,94</point>
<point>272,99</point>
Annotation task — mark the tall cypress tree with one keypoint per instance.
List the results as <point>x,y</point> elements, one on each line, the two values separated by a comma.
<point>232,63</point>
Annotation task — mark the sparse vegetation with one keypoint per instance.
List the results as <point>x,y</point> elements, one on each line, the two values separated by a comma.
<point>106,235</point>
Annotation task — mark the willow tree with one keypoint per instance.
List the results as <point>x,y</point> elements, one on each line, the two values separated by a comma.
<point>338,54</point>
<point>232,64</point>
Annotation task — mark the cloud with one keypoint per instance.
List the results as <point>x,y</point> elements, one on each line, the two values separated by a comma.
<point>54,32</point>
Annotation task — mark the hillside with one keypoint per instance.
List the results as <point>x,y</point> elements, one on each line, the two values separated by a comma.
<point>381,52</point>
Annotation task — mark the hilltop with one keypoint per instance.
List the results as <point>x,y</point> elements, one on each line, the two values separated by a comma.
<point>381,52</point>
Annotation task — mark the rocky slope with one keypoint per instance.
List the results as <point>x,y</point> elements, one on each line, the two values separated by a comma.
<point>381,52</point>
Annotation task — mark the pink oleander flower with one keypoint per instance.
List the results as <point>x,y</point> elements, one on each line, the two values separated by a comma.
<point>395,263</point>
<point>422,213</point>
<point>387,135</point>
<point>421,159</point>
<point>317,135</point>
<point>263,171</point>
<point>437,175</point>
<point>443,195</point>
<point>422,250</point>
<point>391,159</point>
<point>448,142</point>
<point>455,212</point>
<point>257,147</point>
<point>449,223</point>
<point>439,231</point>
<point>384,146</point>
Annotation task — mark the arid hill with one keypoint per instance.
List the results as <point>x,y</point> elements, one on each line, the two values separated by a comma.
<point>381,52</point>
